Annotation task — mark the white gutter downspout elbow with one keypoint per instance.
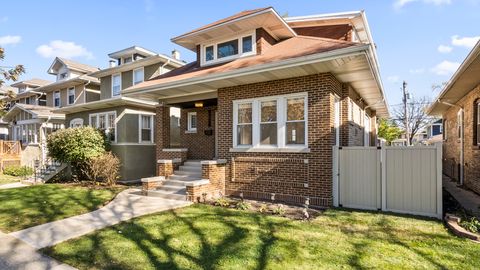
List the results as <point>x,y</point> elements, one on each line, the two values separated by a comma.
<point>462,141</point>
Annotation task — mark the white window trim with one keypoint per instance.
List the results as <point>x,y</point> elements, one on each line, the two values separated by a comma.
<point>189,122</point>
<point>106,121</point>
<point>281,124</point>
<point>68,95</point>
<point>133,75</point>
<point>140,128</point>
<point>111,82</point>
<point>59,99</point>
<point>240,54</point>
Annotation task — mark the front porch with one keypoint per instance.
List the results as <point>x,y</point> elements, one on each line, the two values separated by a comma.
<point>187,151</point>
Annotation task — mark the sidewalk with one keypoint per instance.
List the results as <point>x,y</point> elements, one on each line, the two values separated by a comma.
<point>127,205</point>
<point>13,185</point>
<point>15,254</point>
<point>468,199</point>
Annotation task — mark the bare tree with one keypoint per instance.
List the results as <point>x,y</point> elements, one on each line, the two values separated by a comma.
<point>417,116</point>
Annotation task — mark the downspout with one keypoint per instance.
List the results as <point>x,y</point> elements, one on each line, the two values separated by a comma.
<point>462,142</point>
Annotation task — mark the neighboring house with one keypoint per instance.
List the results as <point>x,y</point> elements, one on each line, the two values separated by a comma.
<point>128,122</point>
<point>459,106</point>
<point>32,117</point>
<point>5,93</point>
<point>266,100</point>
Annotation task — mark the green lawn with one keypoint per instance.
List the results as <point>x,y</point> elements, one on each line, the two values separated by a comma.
<point>25,207</point>
<point>7,179</point>
<point>205,237</point>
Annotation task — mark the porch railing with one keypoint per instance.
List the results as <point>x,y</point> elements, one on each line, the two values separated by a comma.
<point>10,148</point>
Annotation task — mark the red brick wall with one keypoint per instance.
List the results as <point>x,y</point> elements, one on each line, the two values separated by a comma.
<point>291,176</point>
<point>199,145</point>
<point>452,146</point>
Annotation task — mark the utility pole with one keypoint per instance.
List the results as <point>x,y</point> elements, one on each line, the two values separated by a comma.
<point>405,111</point>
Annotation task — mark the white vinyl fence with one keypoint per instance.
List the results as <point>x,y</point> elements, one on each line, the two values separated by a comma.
<point>397,179</point>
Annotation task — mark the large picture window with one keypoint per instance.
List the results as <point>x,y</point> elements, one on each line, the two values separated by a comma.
<point>273,122</point>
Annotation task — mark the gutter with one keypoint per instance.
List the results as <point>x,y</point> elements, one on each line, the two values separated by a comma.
<point>326,56</point>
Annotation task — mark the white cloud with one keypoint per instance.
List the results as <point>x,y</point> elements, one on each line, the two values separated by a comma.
<point>445,68</point>
<point>10,40</point>
<point>398,4</point>
<point>65,49</point>
<point>393,78</point>
<point>467,42</point>
<point>444,49</point>
<point>417,71</point>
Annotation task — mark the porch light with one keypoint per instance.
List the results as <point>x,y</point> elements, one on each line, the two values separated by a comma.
<point>199,104</point>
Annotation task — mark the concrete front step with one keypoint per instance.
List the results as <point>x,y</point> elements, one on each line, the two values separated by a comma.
<point>179,195</point>
<point>184,177</point>
<point>192,163</point>
<point>193,174</point>
<point>190,168</point>
<point>171,188</point>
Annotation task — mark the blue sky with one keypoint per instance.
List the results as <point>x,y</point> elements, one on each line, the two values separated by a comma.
<point>420,41</point>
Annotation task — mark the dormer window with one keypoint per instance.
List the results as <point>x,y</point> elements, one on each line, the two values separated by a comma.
<point>63,75</point>
<point>127,60</point>
<point>228,49</point>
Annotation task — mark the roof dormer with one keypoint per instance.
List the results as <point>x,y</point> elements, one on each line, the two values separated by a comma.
<point>129,55</point>
<point>65,69</point>
<point>235,36</point>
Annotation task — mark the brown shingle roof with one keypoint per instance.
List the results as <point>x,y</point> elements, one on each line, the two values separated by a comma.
<point>78,66</point>
<point>291,48</point>
<point>33,82</point>
<point>224,20</point>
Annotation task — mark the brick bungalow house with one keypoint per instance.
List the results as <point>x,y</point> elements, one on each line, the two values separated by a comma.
<point>263,104</point>
<point>459,106</point>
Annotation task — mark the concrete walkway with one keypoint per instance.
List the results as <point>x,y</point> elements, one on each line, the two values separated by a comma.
<point>468,199</point>
<point>13,185</point>
<point>16,254</point>
<point>127,205</point>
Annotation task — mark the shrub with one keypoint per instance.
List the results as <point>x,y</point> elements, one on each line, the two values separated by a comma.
<point>76,145</point>
<point>263,208</point>
<point>279,210</point>
<point>104,168</point>
<point>471,224</point>
<point>18,171</point>
<point>223,202</point>
<point>243,205</point>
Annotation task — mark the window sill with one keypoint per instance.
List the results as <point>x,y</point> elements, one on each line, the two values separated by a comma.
<point>190,131</point>
<point>270,150</point>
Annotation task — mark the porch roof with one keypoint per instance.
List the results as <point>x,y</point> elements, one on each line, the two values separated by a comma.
<point>350,62</point>
<point>37,112</point>
<point>106,103</point>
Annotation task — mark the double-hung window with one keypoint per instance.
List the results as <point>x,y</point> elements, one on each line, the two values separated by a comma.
<point>71,95</point>
<point>146,130</point>
<point>271,122</point>
<point>137,76</point>
<point>116,84</point>
<point>56,98</point>
<point>192,121</point>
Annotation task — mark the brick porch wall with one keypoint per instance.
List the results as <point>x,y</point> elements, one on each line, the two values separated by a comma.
<point>199,145</point>
<point>451,146</point>
<point>290,176</point>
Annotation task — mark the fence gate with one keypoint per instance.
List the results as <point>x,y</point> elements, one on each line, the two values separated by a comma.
<point>397,179</point>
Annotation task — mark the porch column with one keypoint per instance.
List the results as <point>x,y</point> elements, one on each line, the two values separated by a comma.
<point>162,133</point>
